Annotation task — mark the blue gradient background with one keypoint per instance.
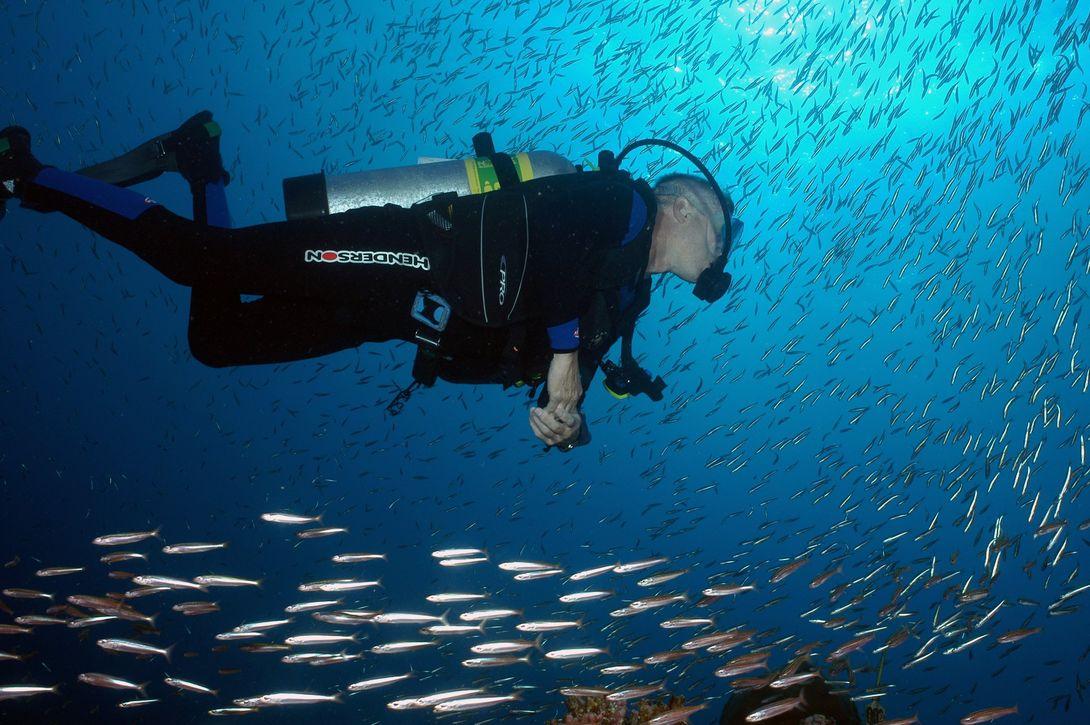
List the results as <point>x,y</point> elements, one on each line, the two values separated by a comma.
<point>866,146</point>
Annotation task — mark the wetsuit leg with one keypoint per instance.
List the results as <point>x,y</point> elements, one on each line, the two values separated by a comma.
<point>225,331</point>
<point>364,255</point>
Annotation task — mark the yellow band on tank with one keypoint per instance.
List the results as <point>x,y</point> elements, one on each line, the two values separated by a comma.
<point>523,167</point>
<point>481,174</point>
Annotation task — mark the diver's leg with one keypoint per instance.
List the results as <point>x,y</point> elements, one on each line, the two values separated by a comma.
<point>363,254</point>
<point>359,254</point>
<point>225,331</point>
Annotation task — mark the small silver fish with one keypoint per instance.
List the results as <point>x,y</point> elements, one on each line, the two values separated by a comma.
<point>457,553</point>
<point>524,566</point>
<point>588,573</point>
<point>376,682</point>
<point>19,593</point>
<point>120,556</point>
<point>286,518</point>
<point>137,648</point>
<point>356,558</point>
<point>473,703</point>
<point>131,537</point>
<point>549,625</point>
<point>221,580</point>
<point>322,532</point>
<point>312,606</point>
<point>774,709</point>
<point>503,648</point>
<point>98,679</point>
<point>480,615</point>
<point>190,686</point>
<point>15,692</point>
<point>59,571</point>
<point>585,597</point>
<point>192,548</point>
<point>262,626</point>
<point>338,585</point>
<point>527,576</point>
<point>452,598</point>
<point>463,561</point>
<point>158,580</point>
<point>573,653</point>
<point>639,565</point>
<point>501,661</point>
<point>407,618</point>
<point>312,639</point>
<point>397,647</point>
<point>286,698</point>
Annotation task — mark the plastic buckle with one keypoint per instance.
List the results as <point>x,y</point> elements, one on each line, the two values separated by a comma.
<point>432,311</point>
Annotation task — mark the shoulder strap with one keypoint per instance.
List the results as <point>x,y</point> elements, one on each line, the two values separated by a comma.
<point>626,265</point>
<point>502,163</point>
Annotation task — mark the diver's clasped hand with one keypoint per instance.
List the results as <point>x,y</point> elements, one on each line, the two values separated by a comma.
<point>559,421</point>
<point>556,429</point>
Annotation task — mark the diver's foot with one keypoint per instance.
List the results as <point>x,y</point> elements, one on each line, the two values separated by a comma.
<point>196,149</point>
<point>17,164</point>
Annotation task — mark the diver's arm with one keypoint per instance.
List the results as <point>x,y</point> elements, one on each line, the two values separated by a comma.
<point>565,387</point>
<point>563,382</point>
<point>557,420</point>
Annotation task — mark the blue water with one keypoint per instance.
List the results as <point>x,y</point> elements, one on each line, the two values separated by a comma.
<point>912,179</point>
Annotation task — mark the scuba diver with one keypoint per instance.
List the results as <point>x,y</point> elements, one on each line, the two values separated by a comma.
<point>519,279</point>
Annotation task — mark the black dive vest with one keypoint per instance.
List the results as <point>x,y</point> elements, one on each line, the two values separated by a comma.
<point>505,241</point>
<point>488,281</point>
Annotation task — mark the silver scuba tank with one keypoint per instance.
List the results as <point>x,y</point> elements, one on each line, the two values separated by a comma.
<point>316,195</point>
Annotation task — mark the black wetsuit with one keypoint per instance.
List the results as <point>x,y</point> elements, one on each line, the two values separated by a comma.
<point>339,281</point>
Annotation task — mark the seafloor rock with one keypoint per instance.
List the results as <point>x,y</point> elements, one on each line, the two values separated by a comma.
<point>600,711</point>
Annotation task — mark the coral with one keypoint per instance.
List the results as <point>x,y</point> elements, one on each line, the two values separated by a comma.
<point>647,709</point>
<point>600,711</point>
<point>592,711</point>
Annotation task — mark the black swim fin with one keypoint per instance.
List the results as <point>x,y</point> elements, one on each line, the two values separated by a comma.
<point>192,150</point>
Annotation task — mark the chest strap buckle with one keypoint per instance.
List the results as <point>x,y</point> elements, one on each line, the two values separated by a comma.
<point>432,311</point>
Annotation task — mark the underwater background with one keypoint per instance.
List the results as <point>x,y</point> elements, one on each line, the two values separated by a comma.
<point>895,385</point>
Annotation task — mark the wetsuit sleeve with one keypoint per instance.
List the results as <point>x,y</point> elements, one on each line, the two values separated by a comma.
<point>565,336</point>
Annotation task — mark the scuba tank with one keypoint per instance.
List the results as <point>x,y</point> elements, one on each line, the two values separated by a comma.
<point>315,195</point>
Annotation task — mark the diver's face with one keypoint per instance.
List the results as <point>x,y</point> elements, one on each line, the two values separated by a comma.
<point>704,245</point>
<point>713,240</point>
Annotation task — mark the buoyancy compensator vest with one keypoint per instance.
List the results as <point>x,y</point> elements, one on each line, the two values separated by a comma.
<point>490,266</point>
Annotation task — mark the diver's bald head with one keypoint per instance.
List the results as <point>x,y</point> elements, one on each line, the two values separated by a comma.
<point>688,226</point>
<point>695,189</point>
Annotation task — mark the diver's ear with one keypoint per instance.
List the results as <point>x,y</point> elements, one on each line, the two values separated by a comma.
<point>683,209</point>
<point>677,207</point>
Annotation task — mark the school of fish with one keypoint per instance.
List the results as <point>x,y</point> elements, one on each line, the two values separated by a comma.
<point>871,459</point>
